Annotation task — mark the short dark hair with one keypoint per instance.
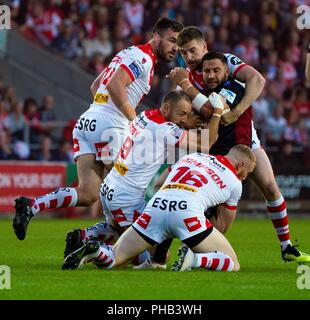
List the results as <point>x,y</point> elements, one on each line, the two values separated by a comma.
<point>164,24</point>
<point>188,34</point>
<point>175,96</point>
<point>214,55</point>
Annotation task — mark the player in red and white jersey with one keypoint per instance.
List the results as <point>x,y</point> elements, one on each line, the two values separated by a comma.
<point>195,183</point>
<point>99,133</point>
<point>154,137</point>
<point>193,48</point>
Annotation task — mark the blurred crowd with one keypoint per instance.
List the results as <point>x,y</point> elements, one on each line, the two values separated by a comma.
<point>28,129</point>
<point>261,33</point>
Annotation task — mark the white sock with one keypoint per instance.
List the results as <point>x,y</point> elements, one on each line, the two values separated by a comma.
<point>105,258</point>
<point>216,260</point>
<point>101,231</point>
<point>60,198</point>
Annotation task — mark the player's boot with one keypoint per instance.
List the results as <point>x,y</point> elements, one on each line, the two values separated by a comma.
<point>150,264</point>
<point>83,255</point>
<point>291,253</point>
<point>73,241</point>
<point>23,214</point>
<point>186,259</point>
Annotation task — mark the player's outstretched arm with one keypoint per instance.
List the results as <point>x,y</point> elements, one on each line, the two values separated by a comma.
<point>117,88</point>
<point>254,85</point>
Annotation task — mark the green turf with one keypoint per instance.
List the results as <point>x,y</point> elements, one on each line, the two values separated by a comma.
<point>35,266</point>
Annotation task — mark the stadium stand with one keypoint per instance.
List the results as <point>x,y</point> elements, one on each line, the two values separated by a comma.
<point>88,33</point>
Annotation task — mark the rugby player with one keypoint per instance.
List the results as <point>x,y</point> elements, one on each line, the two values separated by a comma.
<point>100,131</point>
<point>198,181</point>
<point>153,139</point>
<point>262,176</point>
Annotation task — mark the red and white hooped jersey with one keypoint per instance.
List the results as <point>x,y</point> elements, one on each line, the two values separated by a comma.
<point>138,62</point>
<point>145,150</point>
<point>234,65</point>
<point>204,181</point>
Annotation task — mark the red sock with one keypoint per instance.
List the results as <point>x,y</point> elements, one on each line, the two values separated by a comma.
<point>278,215</point>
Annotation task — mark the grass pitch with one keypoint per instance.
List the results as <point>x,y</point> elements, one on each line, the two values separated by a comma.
<point>36,268</point>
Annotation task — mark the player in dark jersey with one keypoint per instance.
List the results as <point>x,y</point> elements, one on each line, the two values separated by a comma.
<point>215,75</point>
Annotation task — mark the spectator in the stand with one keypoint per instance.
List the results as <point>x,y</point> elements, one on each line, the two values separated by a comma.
<point>168,9</point>
<point>295,51</point>
<point>302,103</point>
<point>288,98</point>
<point>247,51</point>
<point>286,160</point>
<point>246,27</point>
<point>42,24</point>
<point>67,43</point>
<point>1,88</point>
<point>271,64</point>
<point>15,122</point>
<point>88,23</point>
<point>234,27</point>
<point>21,151</point>
<point>101,44</point>
<point>277,86</point>
<point>5,149</point>
<point>275,127</point>
<point>295,131</point>
<point>8,98</point>
<point>261,110</point>
<point>221,41</point>
<point>96,64</point>
<point>47,115</point>
<point>266,45</point>
<point>3,115</point>
<point>44,152</point>
<point>33,120</point>
<point>63,153</point>
<point>102,16</point>
<point>134,13</point>
<point>287,66</point>
<point>121,29</point>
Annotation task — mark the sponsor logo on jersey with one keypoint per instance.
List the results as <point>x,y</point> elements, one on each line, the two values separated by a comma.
<point>143,61</point>
<point>135,69</point>
<point>235,60</point>
<point>76,145</point>
<point>176,131</point>
<point>141,121</point>
<point>178,187</point>
<point>213,162</point>
<point>229,95</point>
<point>101,98</point>
<point>121,168</point>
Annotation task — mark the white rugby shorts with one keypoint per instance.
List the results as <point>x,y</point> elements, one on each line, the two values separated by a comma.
<point>168,217</point>
<point>121,204</point>
<point>100,133</point>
